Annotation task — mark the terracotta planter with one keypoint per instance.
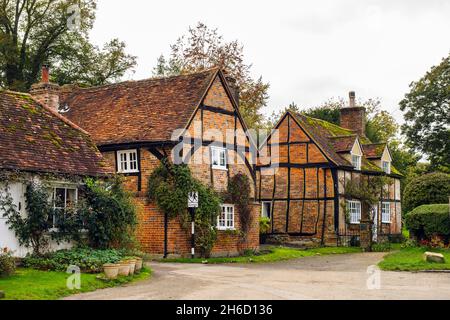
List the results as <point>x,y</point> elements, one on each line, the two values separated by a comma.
<point>132,264</point>
<point>139,264</point>
<point>124,269</point>
<point>111,271</point>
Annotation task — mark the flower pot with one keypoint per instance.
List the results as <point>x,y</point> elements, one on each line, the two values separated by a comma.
<point>139,264</point>
<point>132,264</point>
<point>111,270</point>
<point>124,269</point>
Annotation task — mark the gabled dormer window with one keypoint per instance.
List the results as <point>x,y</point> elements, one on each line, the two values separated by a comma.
<point>356,161</point>
<point>127,161</point>
<point>386,167</point>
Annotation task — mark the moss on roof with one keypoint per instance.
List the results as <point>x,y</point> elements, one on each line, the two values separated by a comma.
<point>334,130</point>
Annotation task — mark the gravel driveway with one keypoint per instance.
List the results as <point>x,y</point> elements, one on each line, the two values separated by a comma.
<point>325,277</point>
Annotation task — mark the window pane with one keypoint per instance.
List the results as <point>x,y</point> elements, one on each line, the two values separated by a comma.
<point>60,198</point>
<point>71,197</point>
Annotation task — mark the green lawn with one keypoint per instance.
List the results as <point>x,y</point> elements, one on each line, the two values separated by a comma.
<point>28,284</point>
<point>411,259</point>
<point>274,254</point>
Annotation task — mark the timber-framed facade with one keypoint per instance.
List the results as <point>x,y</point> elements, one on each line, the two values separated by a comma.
<point>302,174</point>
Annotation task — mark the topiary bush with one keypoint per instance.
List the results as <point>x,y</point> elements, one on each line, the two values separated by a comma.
<point>428,221</point>
<point>428,189</point>
<point>7,264</point>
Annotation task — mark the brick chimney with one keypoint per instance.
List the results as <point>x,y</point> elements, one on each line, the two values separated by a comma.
<point>234,87</point>
<point>353,117</point>
<point>46,92</point>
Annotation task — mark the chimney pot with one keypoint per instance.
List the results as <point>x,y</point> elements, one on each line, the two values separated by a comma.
<point>45,74</point>
<point>352,99</point>
<point>354,118</point>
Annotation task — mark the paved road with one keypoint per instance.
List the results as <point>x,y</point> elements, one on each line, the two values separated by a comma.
<point>326,277</point>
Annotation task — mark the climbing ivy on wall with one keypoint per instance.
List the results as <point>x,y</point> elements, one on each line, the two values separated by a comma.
<point>238,193</point>
<point>169,187</point>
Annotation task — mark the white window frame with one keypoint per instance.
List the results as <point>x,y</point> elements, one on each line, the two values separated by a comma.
<point>263,206</point>
<point>354,208</point>
<point>357,161</point>
<point>225,221</point>
<point>127,159</point>
<point>54,202</point>
<point>219,156</point>
<point>386,216</point>
<point>386,166</point>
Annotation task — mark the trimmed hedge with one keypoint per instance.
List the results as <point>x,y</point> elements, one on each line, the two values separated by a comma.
<point>429,220</point>
<point>428,189</point>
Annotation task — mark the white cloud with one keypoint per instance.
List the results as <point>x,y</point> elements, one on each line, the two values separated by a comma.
<point>308,50</point>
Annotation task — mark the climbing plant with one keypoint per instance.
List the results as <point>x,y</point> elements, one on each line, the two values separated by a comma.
<point>169,187</point>
<point>32,229</point>
<point>238,193</point>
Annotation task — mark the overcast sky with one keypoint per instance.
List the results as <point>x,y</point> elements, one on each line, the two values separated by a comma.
<point>309,51</point>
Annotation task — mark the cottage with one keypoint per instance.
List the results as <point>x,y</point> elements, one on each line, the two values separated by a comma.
<point>37,144</point>
<point>190,119</point>
<point>302,175</point>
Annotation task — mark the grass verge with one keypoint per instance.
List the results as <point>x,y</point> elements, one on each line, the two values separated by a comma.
<point>29,284</point>
<point>272,254</point>
<point>411,259</point>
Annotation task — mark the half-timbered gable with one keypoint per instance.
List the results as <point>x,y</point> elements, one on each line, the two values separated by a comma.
<point>189,119</point>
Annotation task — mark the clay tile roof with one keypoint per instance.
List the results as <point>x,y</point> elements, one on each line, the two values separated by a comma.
<point>36,139</point>
<point>343,144</point>
<point>334,140</point>
<point>322,133</point>
<point>374,151</point>
<point>138,111</point>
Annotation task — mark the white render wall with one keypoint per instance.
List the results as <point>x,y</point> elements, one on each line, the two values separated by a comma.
<point>8,239</point>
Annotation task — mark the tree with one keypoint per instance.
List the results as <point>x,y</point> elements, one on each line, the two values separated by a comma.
<point>427,115</point>
<point>426,189</point>
<point>276,116</point>
<point>203,48</point>
<point>34,32</point>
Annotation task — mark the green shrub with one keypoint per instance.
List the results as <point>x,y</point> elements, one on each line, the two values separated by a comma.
<point>264,225</point>
<point>429,220</point>
<point>109,215</point>
<point>427,189</point>
<point>89,261</point>
<point>169,187</point>
<point>7,265</point>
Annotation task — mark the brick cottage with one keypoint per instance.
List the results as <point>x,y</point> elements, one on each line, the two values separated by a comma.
<point>37,144</point>
<point>136,124</point>
<point>313,159</point>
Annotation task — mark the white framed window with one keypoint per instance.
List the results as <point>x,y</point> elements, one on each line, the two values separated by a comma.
<point>63,198</point>
<point>356,161</point>
<point>386,212</point>
<point>225,221</point>
<point>266,209</point>
<point>386,167</point>
<point>219,158</point>
<point>127,161</point>
<point>354,208</point>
